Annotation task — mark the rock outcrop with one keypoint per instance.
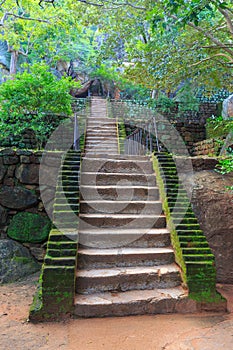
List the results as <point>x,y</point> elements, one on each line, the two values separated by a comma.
<point>213,205</point>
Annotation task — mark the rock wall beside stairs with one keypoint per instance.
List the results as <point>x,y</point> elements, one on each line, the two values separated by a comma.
<point>213,206</point>
<point>20,198</point>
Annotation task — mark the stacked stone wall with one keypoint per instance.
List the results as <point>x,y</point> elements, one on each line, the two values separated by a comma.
<point>208,147</point>
<point>206,110</point>
<point>21,192</point>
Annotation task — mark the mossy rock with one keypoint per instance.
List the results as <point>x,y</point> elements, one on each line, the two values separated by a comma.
<point>29,228</point>
<point>15,261</point>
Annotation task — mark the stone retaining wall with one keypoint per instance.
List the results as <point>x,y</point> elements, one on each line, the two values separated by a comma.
<point>209,147</point>
<point>206,110</point>
<point>191,133</point>
<point>20,192</point>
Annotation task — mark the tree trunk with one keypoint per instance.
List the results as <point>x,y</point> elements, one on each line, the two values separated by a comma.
<point>13,63</point>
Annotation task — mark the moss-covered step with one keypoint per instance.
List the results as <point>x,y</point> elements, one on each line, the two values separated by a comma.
<point>63,236</point>
<point>194,244</point>
<point>58,253</point>
<point>192,251</point>
<point>66,206</point>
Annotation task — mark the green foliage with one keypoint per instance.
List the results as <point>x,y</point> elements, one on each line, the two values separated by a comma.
<point>105,73</point>
<point>225,166</point>
<point>29,99</point>
<point>218,127</point>
<point>164,103</point>
<point>187,100</point>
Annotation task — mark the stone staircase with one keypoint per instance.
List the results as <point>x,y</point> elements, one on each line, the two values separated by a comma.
<point>126,265</point>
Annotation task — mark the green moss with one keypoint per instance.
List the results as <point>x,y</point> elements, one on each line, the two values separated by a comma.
<point>21,259</point>
<point>192,252</point>
<point>121,136</point>
<point>207,296</point>
<point>28,227</point>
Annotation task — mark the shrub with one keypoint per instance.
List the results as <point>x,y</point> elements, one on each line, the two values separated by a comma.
<point>29,99</point>
<point>218,127</point>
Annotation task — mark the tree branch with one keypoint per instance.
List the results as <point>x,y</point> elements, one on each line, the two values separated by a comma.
<point>210,58</point>
<point>104,3</point>
<point>225,13</point>
<point>27,18</point>
<point>208,35</point>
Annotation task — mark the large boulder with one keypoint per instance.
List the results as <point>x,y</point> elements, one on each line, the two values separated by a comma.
<point>15,261</point>
<point>212,203</point>
<point>227,107</point>
<point>28,227</point>
<point>17,197</point>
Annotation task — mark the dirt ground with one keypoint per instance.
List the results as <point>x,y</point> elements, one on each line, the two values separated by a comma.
<point>158,332</point>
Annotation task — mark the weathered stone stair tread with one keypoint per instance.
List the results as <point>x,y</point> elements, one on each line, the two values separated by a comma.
<point>110,272</point>
<point>117,161</point>
<point>132,303</point>
<point>152,231</point>
<point>120,216</point>
<point>125,251</point>
<point>112,178</point>
<point>115,206</point>
<point>106,238</point>
<point>121,156</point>
<point>127,278</point>
<point>149,186</point>
<point>120,202</point>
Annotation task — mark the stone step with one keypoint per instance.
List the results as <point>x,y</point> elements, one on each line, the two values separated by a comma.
<point>124,157</point>
<point>102,138</point>
<point>116,165</point>
<point>101,129</point>
<point>101,132</point>
<point>119,192</point>
<point>91,258</point>
<point>110,146</point>
<point>102,142</point>
<point>96,149</point>
<point>102,147</point>
<point>138,302</point>
<point>128,207</point>
<point>123,279</point>
<point>104,122</point>
<point>91,152</point>
<point>117,178</point>
<point>122,220</point>
<point>113,238</point>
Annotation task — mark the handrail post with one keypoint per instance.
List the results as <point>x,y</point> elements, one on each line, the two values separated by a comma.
<point>76,136</point>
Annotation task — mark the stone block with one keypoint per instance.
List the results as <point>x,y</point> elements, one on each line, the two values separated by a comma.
<point>3,216</point>
<point>8,160</point>
<point>28,227</point>
<point>17,197</point>
<point>28,173</point>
